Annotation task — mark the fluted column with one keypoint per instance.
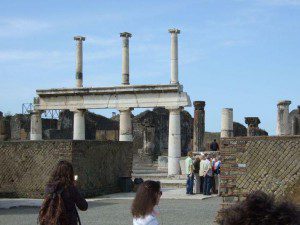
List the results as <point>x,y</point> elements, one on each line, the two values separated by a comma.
<point>79,125</point>
<point>36,126</point>
<point>227,123</point>
<point>283,127</point>
<point>174,55</point>
<point>174,144</point>
<point>79,39</point>
<point>125,57</point>
<point>125,133</point>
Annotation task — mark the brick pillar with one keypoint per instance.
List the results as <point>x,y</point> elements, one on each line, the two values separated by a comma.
<point>199,126</point>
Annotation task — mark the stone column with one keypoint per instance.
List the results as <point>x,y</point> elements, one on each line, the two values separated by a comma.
<point>199,126</point>
<point>174,144</point>
<point>294,126</point>
<point>2,127</point>
<point>79,40</point>
<point>174,55</point>
<point>79,125</point>
<point>227,123</point>
<point>252,123</point>
<point>36,126</point>
<point>125,133</point>
<point>283,127</point>
<point>125,57</point>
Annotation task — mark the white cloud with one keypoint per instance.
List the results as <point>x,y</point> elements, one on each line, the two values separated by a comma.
<point>16,27</point>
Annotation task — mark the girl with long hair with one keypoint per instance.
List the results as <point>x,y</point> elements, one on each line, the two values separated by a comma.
<point>62,197</point>
<point>146,198</point>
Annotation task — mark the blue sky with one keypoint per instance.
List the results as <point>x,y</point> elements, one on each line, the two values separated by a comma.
<point>239,54</point>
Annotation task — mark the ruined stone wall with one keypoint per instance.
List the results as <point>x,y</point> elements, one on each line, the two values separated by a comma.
<point>25,166</point>
<point>264,163</point>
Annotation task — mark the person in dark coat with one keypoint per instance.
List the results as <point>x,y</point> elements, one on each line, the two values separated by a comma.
<point>62,186</point>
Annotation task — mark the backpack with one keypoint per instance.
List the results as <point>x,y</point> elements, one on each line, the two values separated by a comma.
<point>53,211</point>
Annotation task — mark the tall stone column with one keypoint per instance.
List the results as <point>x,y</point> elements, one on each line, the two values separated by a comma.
<point>79,40</point>
<point>125,57</point>
<point>79,125</point>
<point>283,127</point>
<point>125,133</point>
<point>227,123</point>
<point>36,126</point>
<point>174,55</point>
<point>174,144</point>
<point>199,126</point>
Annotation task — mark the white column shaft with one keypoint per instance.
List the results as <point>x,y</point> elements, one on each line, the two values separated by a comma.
<point>227,123</point>
<point>125,133</point>
<point>174,145</point>
<point>79,82</point>
<point>36,126</point>
<point>79,125</point>
<point>283,127</point>
<point>174,58</point>
<point>125,61</point>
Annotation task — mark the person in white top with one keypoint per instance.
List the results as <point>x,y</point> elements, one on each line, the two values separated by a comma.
<point>143,206</point>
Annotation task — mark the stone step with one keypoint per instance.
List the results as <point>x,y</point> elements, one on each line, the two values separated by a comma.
<point>150,176</point>
<point>147,171</point>
<point>170,183</point>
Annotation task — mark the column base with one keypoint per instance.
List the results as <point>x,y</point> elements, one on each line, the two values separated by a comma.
<point>35,137</point>
<point>126,137</point>
<point>173,166</point>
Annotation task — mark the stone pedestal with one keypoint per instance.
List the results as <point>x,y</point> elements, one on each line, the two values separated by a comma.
<point>174,55</point>
<point>227,123</point>
<point>125,57</point>
<point>174,145</point>
<point>79,39</point>
<point>79,125</point>
<point>36,126</point>
<point>252,123</point>
<point>283,127</point>
<point>125,125</point>
<point>199,126</point>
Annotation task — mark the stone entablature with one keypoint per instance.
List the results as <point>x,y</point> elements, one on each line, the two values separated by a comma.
<point>119,97</point>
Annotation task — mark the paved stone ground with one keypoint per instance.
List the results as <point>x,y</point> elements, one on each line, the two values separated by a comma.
<point>117,212</point>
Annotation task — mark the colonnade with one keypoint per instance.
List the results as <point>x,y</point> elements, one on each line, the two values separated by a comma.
<point>125,130</point>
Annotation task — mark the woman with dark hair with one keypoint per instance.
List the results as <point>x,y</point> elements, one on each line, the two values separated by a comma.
<point>260,208</point>
<point>62,197</point>
<point>146,198</point>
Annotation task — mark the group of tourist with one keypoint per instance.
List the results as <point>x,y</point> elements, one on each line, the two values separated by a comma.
<point>63,198</point>
<point>204,172</point>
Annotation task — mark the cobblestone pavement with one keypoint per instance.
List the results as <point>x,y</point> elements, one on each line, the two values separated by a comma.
<point>117,212</point>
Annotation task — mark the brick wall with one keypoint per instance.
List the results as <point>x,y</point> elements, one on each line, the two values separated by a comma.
<point>270,164</point>
<point>25,166</point>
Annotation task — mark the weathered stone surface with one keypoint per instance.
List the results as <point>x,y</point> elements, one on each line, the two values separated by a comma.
<point>294,121</point>
<point>25,166</point>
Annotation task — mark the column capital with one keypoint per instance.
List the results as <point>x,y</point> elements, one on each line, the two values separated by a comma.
<point>174,109</point>
<point>174,31</point>
<point>78,110</point>
<point>126,35</point>
<point>79,38</point>
<point>125,109</point>
<point>252,121</point>
<point>284,103</point>
<point>199,105</point>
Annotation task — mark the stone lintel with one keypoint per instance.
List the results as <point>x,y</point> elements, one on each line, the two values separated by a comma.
<point>252,121</point>
<point>199,105</point>
<point>284,103</point>
<point>114,101</point>
<point>79,38</point>
<point>174,30</point>
<point>126,35</point>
